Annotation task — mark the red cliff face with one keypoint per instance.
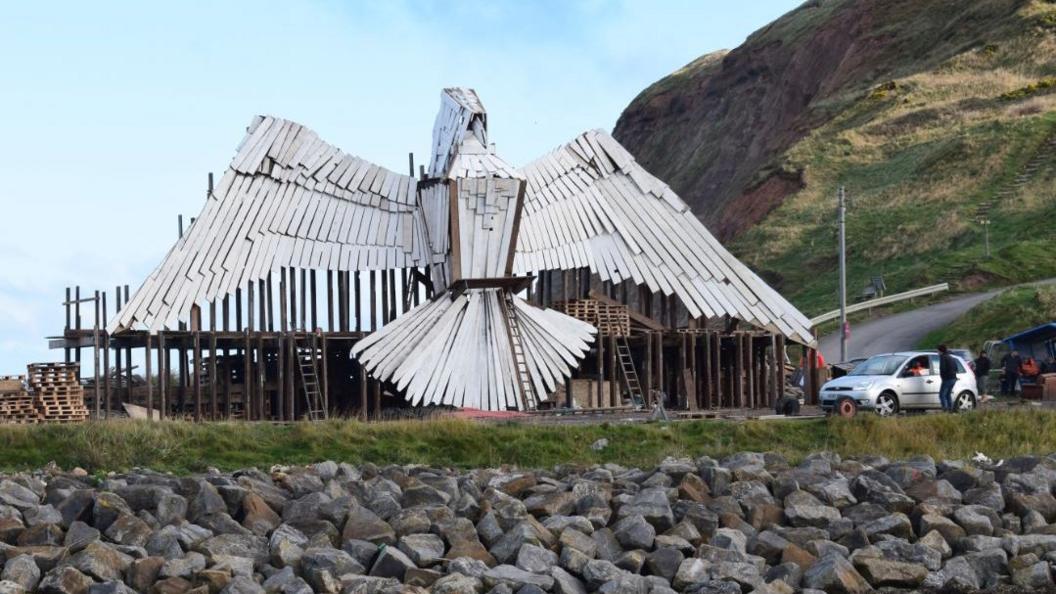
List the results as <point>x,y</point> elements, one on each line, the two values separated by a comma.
<point>717,129</point>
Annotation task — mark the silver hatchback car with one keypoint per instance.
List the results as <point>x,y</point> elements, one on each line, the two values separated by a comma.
<point>900,381</point>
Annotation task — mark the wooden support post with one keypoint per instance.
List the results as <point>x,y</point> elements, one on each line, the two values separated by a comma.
<point>386,313</point>
<point>226,372</point>
<point>262,378</point>
<point>357,285</point>
<point>373,303</point>
<point>214,395</point>
<point>749,368</point>
<point>181,352</point>
<point>280,364</point>
<point>238,310</point>
<point>250,311</point>
<point>614,399</point>
<point>313,301</point>
<point>330,300</point>
<point>779,367</point>
<point>271,305</point>
<point>149,377</point>
<point>660,365</point>
<point>692,395</point>
<point>163,376</point>
<point>291,283</point>
<point>648,368</point>
<point>680,371</point>
<point>262,291</point>
<point>291,370</point>
<point>247,378</point>
<point>600,340</point>
<point>568,393</point>
<point>363,410</point>
<point>66,329</point>
<point>303,322</point>
<point>225,309</point>
<point>106,370</point>
<point>707,383</point>
<point>97,395</point>
<point>738,369</point>
<point>716,365</point>
<point>282,300</point>
<point>197,378</point>
<point>325,378</point>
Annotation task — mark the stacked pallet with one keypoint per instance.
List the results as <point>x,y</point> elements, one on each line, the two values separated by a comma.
<point>57,392</point>
<point>610,320</point>
<point>16,404</point>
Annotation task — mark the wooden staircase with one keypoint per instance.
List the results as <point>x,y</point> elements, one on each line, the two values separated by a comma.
<point>307,362</point>
<point>1043,154</point>
<point>526,390</point>
<point>630,375</point>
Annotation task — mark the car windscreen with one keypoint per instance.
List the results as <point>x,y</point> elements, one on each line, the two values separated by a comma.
<point>879,365</point>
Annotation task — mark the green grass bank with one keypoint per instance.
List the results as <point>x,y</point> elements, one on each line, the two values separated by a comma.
<point>182,447</point>
<point>1013,311</point>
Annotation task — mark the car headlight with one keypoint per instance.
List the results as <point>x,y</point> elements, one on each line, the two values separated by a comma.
<point>863,386</point>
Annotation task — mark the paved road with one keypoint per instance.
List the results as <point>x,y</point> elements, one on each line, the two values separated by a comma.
<point>899,331</point>
<point>904,330</point>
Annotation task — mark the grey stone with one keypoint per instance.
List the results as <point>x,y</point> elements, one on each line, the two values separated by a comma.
<point>364,524</point>
<point>111,587</point>
<point>691,572</point>
<point>80,535</point>
<point>664,562</point>
<point>457,583</point>
<point>423,549</point>
<point>565,582</point>
<point>242,585</point>
<point>186,567</point>
<point>101,562</point>
<point>634,532</point>
<point>322,566</point>
<point>391,563</point>
<point>515,577</point>
<point>65,580</point>
<point>22,570</point>
<point>535,559</point>
<point>835,575</point>
<point>958,576</point>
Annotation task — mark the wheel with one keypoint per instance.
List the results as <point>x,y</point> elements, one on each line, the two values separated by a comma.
<point>846,407</point>
<point>886,404</point>
<point>964,402</point>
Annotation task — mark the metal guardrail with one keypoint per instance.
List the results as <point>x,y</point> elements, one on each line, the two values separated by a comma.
<point>832,315</point>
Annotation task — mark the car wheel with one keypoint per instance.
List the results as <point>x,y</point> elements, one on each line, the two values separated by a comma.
<point>886,404</point>
<point>846,407</point>
<point>965,402</point>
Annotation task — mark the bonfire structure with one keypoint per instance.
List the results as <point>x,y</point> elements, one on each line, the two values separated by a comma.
<point>315,283</point>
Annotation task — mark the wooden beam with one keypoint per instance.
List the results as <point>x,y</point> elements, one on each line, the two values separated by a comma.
<point>197,378</point>
<point>163,376</point>
<point>149,377</point>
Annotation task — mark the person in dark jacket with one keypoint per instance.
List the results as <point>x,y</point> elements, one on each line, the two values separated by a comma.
<point>1010,365</point>
<point>982,372</point>
<point>948,375</point>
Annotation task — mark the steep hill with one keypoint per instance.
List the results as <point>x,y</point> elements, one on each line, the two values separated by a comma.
<point>933,113</point>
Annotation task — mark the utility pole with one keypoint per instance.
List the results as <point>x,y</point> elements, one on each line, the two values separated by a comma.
<point>841,213</point>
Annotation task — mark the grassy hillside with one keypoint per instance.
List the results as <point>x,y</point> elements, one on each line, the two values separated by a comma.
<point>187,447</point>
<point>1013,311</point>
<point>934,115</point>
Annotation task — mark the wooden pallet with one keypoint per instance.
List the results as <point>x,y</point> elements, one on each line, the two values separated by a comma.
<point>610,320</point>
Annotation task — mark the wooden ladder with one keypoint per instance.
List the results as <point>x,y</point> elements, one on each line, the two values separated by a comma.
<point>630,375</point>
<point>307,357</point>
<point>526,390</point>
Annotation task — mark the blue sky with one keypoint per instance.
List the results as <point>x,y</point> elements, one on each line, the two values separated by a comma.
<point>114,112</point>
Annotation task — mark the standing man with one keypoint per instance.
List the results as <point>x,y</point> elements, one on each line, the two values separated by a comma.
<point>982,372</point>
<point>948,375</point>
<point>1010,364</point>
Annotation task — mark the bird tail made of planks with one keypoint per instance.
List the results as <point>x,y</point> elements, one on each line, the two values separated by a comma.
<point>458,350</point>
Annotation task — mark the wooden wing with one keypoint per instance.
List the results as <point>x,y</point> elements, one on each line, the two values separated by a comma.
<point>590,204</point>
<point>288,199</point>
